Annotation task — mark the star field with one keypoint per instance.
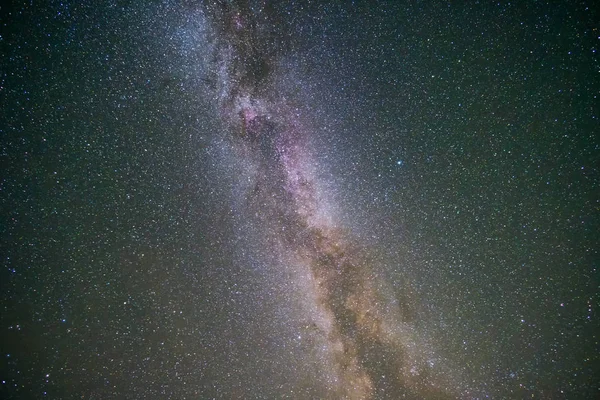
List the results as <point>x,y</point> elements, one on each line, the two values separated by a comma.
<point>304,200</point>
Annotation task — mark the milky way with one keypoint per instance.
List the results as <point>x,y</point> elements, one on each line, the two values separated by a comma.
<point>368,346</point>
<point>252,199</point>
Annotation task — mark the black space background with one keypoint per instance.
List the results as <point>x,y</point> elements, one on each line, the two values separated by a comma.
<point>464,138</point>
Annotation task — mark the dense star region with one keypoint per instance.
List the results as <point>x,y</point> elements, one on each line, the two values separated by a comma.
<point>253,199</point>
<point>365,347</point>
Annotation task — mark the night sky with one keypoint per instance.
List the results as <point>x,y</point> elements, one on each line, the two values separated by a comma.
<point>299,199</point>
